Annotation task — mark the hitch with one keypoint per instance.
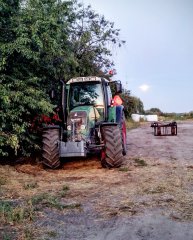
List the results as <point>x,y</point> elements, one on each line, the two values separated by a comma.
<point>164,129</point>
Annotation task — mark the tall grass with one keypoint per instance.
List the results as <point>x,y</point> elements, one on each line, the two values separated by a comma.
<point>12,214</point>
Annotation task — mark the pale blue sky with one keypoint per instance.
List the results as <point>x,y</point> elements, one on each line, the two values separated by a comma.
<point>156,63</point>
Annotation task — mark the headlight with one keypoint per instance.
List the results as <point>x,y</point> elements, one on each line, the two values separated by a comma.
<point>83,127</point>
<point>69,127</point>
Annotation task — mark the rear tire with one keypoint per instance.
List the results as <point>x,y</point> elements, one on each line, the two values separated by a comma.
<point>50,148</point>
<point>112,155</point>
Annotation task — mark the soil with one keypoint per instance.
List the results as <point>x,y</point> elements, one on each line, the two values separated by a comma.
<point>148,198</point>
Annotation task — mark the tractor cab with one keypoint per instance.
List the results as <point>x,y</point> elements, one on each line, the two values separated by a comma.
<point>89,91</point>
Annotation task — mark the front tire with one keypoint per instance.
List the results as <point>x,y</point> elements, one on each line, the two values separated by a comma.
<point>50,148</point>
<point>112,155</point>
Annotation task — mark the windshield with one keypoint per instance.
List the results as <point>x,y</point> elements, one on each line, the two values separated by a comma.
<point>86,94</point>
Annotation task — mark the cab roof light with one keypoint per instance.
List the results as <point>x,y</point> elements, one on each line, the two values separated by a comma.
<point>84,79</point>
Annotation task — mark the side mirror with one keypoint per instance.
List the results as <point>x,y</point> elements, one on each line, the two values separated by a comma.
<point>52,94</point>
<point>119,87</point>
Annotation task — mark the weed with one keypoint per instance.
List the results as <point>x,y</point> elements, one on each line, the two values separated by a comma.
<point>6,212</point>
<point>15,214</point>
<point>30,185</point>
<point>140,162</point>
<point>65,188</point>
<point>47,200</point>
<point>3,181</point>
<point>72,206</point>
<point>31,210</point>
<point>6,237</point>
<point>52,234</point>
<point>28,234</point>
<point>39,198</point>
<point>52,201</point>
<point>129,207</point>
<point>155,190</point>
<point>124,169</point>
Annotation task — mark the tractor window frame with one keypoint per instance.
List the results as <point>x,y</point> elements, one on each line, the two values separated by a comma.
<point>109,95</point>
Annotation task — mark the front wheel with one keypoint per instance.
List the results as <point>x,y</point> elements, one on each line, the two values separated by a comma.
<point>112,155</point>
<point>50,148</point>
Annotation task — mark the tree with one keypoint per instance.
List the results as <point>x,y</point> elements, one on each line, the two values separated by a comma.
<point>91,35</point>
<point>29,47</point>
<point>47,24</point>
<point>8,13</point>
<point>154,111</point>
<point>131,104</point>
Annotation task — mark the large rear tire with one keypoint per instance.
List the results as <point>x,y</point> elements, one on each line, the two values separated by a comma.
<point>112,155</point>
<point>51,148</point>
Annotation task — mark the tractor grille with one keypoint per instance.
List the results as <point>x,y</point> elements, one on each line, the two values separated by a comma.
<point>76,125</point>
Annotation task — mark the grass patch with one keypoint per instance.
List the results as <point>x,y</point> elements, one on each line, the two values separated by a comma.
<point>72,206</point>
<point>130,124</point>
<point>15,214</point>
<point>140,162</point>
<point>28,234</point>
<point>52,234</point>
<point>64,191</point>
<point>47,200</point>
<point>51,201</point>
<point>123,169</point>
<point>6,237</point>
<point>65,188</point>
<point>30,185</point>
<point>3,181</point>
<point>155,190</point>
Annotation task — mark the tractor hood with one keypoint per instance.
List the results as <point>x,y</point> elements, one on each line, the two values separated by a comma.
<point>79,122</point>
<point>91,112</point>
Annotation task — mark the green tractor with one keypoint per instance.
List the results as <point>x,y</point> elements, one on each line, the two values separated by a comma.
<point>91,122</point>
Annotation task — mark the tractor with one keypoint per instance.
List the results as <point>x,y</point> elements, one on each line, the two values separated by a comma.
<point>92,121</point>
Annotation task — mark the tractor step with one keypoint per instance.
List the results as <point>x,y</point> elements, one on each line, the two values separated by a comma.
<point>94,146</point>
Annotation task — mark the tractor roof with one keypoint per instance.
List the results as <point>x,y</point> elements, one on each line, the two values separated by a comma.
<point>85,79</point>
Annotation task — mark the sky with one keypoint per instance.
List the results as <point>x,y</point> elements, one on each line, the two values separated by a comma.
<point>156,62</point>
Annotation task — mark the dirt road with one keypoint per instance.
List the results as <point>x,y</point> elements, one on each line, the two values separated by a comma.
<point>149,198</point>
